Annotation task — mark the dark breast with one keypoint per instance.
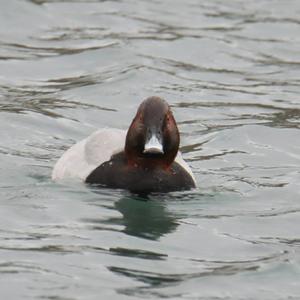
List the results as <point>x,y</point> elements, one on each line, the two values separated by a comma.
<point>115,173</point>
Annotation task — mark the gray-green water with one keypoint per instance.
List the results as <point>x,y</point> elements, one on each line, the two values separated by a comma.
<point>230,70</point>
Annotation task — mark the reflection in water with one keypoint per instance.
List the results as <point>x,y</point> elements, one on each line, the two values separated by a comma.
<point>148,219</point>
<point>140,217</point>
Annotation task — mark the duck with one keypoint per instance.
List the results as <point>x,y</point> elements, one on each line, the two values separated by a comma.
<point>143,159</point>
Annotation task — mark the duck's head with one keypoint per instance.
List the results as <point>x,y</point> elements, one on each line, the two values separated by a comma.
<point>152,138</point>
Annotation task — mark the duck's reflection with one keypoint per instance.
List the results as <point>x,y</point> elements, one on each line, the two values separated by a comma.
<point>145,218</point>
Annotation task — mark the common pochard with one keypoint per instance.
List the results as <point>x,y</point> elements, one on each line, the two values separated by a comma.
<point>143,160</point>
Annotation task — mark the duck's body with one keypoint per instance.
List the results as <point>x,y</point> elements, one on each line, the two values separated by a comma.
<point>85,156</point>
<point>143,159</point>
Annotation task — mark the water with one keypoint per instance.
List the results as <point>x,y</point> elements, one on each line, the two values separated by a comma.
<point>230,70</point>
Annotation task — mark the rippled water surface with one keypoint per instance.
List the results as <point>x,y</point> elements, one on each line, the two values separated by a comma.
<point>231,72</point>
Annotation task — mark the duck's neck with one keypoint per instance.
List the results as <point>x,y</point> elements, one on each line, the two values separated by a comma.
<point>148,162</point>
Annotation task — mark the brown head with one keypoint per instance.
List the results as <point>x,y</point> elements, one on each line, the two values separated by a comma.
<point>152,139</point>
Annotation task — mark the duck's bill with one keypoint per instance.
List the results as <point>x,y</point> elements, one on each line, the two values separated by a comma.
<point>153,146</point>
